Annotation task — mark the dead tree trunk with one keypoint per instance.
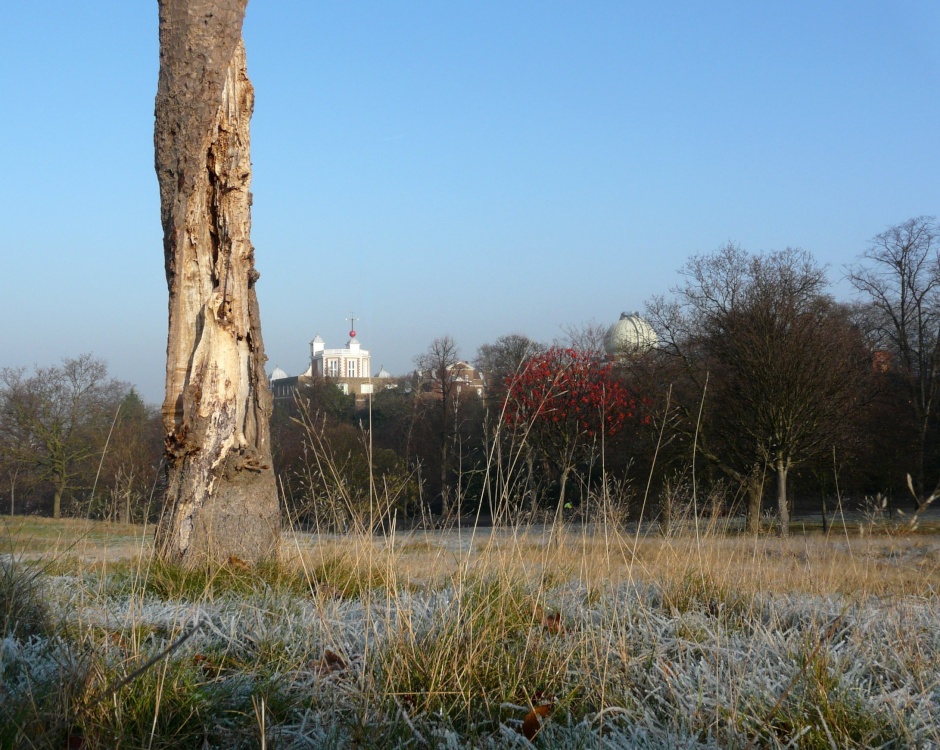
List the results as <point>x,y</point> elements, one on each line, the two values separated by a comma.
<point>221,495</point>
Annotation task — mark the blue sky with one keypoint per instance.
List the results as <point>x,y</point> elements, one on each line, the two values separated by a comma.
<point>462,168</point>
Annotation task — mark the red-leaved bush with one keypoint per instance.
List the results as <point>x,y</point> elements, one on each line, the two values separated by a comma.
<point>564,395</point>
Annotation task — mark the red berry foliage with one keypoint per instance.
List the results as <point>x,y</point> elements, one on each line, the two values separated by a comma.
<point>569,393</point>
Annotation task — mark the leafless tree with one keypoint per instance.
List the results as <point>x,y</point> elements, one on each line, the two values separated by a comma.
<point>676,375</point>
<point>54,420</point>
<point>502,360</point>
<point>506,355</point>
<point>785,368</point>
<point>587,337</point>
<point>221,497</point>
<point>441,386</point>
<point>130,465</point>
<point>899,275</point>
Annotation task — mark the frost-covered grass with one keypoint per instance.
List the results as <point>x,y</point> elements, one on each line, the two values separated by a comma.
<point>447,640</point>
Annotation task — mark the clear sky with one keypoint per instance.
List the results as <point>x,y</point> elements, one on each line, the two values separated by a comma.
<point>463,168</point>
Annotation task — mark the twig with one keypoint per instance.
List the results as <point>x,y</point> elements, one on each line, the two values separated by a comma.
<point>124,681</point>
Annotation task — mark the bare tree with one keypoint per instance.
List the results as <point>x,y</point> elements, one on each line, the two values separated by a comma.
<point>900,276</point>
<point>677,376</point>
<point>785,369</point>
<point>587,337</point>
<point>56,419</point>
<point>221,497</point>
<point>501,363</point>
<point>130,465</point>
<point>502,360</point>
<point>438,369</point>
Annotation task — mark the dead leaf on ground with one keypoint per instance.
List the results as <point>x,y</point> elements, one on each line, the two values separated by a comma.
<point>534,720</point>
<point>329,663</point>
<point>208,665</point>
<point>237,563</point>
<point>329,591</point>
<point>552,623</point>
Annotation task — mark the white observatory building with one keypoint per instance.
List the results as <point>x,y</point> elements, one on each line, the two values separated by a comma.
<point>629,335</point>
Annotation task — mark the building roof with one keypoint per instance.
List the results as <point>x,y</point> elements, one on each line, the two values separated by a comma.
<point>629,335</point>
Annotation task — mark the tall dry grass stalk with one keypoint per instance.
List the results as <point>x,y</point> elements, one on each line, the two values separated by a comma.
<point>588,631</point>
<point>568,637</point>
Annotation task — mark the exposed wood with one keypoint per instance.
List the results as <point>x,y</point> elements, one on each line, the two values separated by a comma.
<point>221,496</point>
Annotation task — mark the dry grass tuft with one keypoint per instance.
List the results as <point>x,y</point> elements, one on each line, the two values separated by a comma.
<point>568,637</point>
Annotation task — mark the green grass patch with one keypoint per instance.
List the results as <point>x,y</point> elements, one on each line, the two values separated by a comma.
<point>22,610</point>
<point>348,576</point>
<point>488,647</point>
<point>174,582</point>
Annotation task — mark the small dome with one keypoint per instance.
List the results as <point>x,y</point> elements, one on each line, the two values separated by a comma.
<point>278,373</point>
<point>629,335</point>
<point>383,373</point>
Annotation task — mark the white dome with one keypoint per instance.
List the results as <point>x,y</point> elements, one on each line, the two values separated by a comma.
<point>383,373</point>
<point>629,335</point>
<point>278,373</point>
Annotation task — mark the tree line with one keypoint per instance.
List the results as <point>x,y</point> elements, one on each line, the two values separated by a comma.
<point>764,393</point>
<point>75,441</point>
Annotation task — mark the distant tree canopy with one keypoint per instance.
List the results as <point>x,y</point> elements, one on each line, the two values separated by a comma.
<point>761,385</point>
<point>501,360</point>
<point>769,369</point>
<point>566,404</point>
<point>759,374</point>
<point>76,439</point>
<point>898,277</point>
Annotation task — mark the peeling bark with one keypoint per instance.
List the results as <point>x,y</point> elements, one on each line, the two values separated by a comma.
<point>221,496</point>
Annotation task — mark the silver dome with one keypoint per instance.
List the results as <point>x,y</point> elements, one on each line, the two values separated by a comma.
<point>629,335</point>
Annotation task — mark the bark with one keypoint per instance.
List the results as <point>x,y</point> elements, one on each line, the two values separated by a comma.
<point>919,487</point>
<point>57,501</point>
<point>783,507</point>
<point>558,524</point>
<point>755,491</point>
<point>221,497</point>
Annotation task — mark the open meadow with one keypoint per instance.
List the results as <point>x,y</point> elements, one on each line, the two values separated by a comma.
<point>564,637</point>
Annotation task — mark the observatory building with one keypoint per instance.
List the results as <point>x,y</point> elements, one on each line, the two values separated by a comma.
<point>348,368</point>
<point>629,335</point>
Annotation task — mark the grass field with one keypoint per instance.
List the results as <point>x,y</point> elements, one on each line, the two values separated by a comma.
<point>473,638</point>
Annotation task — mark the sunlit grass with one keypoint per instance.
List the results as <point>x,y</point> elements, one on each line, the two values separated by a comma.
<point>431,638</point>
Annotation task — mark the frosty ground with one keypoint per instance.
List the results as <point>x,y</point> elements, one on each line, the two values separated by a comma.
<point>459,639</point>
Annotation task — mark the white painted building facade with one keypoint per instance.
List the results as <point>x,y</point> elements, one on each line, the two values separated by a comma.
<point>352,361</point>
